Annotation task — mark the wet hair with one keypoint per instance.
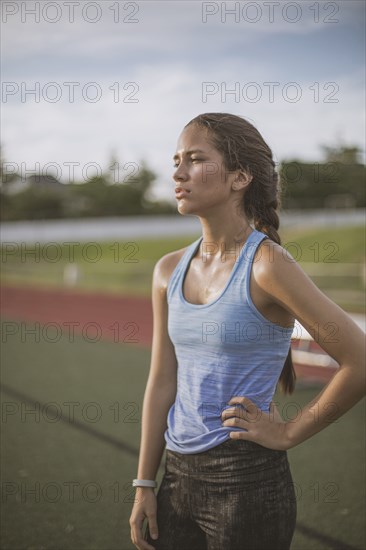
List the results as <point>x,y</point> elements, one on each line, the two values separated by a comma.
<point>243,148</point>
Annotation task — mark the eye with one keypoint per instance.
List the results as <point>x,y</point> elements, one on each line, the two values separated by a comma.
<point>196,160</point>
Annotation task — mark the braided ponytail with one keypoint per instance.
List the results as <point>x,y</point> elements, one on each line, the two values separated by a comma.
<point>243,147</point>
<point>263,211</point>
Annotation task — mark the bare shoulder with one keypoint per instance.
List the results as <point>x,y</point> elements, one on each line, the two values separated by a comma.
<point>165,266</point>
<point>268,257</point>
<point>274,270</point>
<point>283,281</point>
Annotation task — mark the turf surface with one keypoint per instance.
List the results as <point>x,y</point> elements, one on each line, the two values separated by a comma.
<point>67,467</point>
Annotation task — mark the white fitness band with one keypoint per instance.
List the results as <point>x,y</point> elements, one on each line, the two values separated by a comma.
<point>144,483</point>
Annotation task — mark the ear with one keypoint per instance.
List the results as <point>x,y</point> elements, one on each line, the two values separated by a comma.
<point>242,180</point>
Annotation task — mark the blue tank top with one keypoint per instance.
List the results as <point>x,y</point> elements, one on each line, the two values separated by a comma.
<point>225,348</point>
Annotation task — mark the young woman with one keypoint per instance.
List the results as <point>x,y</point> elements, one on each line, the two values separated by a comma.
<point>224,310</point>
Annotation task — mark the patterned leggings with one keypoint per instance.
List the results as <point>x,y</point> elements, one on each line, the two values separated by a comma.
<point>235,496</point>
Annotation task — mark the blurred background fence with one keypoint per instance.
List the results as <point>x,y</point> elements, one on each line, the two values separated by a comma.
<point>118,255</point>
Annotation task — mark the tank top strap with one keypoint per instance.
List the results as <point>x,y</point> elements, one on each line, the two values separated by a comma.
<point>250,247</point>
<point>244,263</point>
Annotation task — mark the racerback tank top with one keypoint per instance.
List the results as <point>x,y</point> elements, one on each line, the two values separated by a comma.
<point>224,348</point>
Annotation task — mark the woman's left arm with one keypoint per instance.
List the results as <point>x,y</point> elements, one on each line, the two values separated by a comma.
<point>278,275</point>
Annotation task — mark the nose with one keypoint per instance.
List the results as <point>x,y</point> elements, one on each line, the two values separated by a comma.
<point>180,173</point>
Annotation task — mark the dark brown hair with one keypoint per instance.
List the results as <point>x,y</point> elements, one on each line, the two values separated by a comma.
<point>243,148</point>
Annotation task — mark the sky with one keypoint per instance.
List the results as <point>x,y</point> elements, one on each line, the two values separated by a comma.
<point>115,79</point>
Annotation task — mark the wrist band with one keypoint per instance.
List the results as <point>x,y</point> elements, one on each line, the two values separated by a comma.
<point>144,483</point>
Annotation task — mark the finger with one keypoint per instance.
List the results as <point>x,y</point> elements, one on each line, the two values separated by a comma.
<point>243,434</point>
<point>137,538</point>
<point>227,413</point>
<point>244,415</point>
<point>153,526</point>
<point>237,422</point>
<point>237,411</point>
<point>143,545</point>
<point>245,402</point>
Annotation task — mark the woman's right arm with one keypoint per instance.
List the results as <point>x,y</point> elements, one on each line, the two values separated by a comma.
<point>159,395</point>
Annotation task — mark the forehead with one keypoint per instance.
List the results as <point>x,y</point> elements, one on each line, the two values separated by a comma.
<point>194,138</point>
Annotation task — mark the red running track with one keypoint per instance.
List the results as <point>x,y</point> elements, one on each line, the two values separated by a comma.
<point>112,317</point>
<point>101,316</point>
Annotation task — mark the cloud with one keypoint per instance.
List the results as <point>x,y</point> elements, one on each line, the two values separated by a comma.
<point>169,55</point>
<point>161,27</point>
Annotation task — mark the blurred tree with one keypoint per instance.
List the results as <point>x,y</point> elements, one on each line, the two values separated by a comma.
<point>338,181</point>
<point>113,169</point>
<point>343,154</point>
<point>8,172</point>
<point>32,204</point>
<point>100,197</point>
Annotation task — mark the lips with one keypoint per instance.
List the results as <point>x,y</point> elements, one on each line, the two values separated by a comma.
<point>181,190</point>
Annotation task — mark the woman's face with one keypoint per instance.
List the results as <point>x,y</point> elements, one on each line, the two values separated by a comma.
<point>200,172</point>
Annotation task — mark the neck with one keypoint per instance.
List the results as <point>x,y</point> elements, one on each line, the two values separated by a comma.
<point>222,237</point>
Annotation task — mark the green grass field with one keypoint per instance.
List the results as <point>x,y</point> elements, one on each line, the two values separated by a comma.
<point>68,465</point>
<point>333,258</point>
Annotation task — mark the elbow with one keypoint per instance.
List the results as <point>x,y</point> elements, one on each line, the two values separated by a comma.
<point>354,378</point>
